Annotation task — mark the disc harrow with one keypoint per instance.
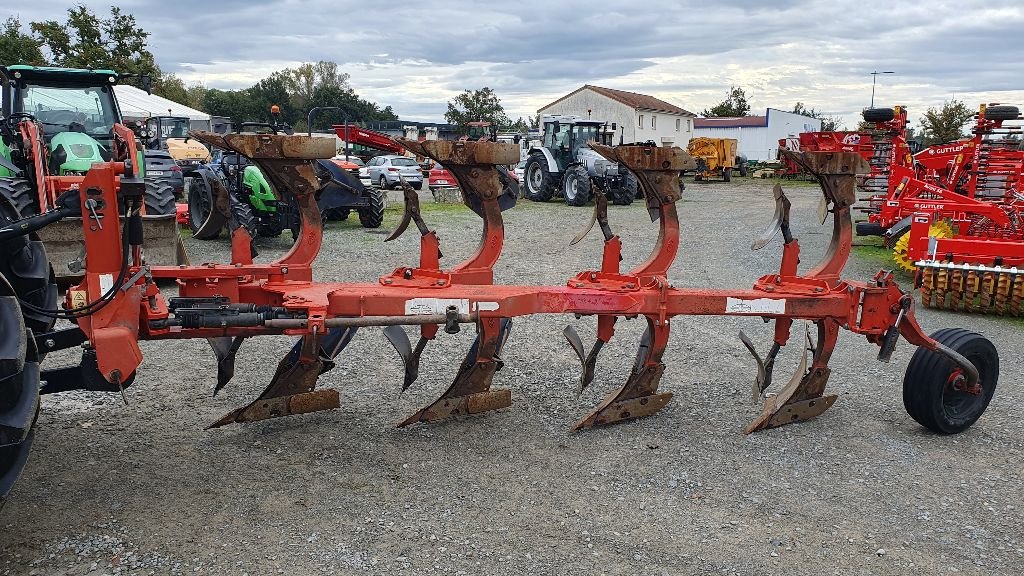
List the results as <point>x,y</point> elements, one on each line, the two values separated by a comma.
<point>119,303</point>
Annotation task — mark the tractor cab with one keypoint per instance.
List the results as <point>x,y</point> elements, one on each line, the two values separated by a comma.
<point>76,109</point>
<point>171,133</point>
<point>481,131</point>
<point>565,136</point>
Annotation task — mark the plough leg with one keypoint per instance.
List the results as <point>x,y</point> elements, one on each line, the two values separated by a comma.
<point>803,397</point>
<point>471,392</point>
<point>291,390</point>
<point>639,395</point>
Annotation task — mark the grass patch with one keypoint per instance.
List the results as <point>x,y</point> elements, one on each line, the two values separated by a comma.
<point>882,257</point>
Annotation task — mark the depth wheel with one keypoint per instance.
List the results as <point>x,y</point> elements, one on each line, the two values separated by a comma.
<point>934,389</point>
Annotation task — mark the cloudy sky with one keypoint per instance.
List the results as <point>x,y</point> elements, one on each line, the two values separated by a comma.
<point>414,56</point>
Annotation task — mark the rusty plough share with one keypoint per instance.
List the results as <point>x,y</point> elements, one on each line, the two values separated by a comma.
<point>948,384</point>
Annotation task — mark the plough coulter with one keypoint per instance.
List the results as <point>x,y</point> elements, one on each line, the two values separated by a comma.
<point>948,384</point>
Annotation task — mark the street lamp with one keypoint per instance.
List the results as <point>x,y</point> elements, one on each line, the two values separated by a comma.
<point>874,75</point>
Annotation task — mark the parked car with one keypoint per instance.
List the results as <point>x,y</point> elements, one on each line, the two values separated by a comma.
<point>161,166</point>
<point>352,165</point>
<point>440,177</point>
<point>520,169</point>
<point>387,171</point>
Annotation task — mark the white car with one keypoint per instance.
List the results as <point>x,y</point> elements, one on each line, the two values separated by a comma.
<point>387,171</point>
<point>520,168</point>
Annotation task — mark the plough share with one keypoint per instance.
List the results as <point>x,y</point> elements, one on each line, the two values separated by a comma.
<point>949,382</point>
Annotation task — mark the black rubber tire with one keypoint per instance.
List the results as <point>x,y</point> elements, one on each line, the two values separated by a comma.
<point>288,212</point>
<point>869,229</point>
<point>21,194</point>
<point>19,372</point>
<point>24,264</point>
<point>539,182</point>
<point>417,185</point>
<point>159,196</point>
<point>1002,112</point>
<point>878,114</point>
<point>200,204</point>
<point>743,170</point>
<point>372,216</point>
<point>727,174</point>
<point>576,186</point>
<point>244,216</point>
<point>629,191</point>
<point>382,183</point>
<point>927,393</point>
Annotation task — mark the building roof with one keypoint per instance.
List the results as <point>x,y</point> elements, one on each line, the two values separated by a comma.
<point>136,103</point>
<point>631,99</point>
<point>741,122</point>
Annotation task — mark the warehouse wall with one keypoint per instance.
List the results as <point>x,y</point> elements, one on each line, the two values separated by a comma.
<point>626,119</point>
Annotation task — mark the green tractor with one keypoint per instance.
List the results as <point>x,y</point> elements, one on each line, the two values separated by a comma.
<point>253,202</point>
<point>57,122</point>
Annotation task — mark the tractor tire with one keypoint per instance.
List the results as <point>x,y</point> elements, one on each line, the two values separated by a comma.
<point>929,387</point>
<point>19,388</point>
<point>24,264</point>
<point>288,213</point>
<point>1002,113</point>
<point>242,216</point>
<point>539,182</point>
<point>727,175</point>
<point>372,216</point>
<point>878,114</point>
<point>629,191</point>
<point>200,204</point>
<point>576,186</point>
<point>159,196</point>
<point>21,194</point>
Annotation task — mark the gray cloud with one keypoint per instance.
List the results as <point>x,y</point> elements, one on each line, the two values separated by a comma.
<point>415,57</point>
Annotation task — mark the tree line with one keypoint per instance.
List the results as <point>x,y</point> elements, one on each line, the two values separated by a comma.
<point>117,42</point>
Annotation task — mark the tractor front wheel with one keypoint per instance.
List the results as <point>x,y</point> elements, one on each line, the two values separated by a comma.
<point>935,391</point>
<point>21,194</point>
<point>576,186</point>
<point>540,182</point>
<point>159,196</point>
<point>727,174</point>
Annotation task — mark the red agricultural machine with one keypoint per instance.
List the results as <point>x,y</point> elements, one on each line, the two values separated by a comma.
<point>966,238</point>
<point>856,142</point>
<point>948,384</point>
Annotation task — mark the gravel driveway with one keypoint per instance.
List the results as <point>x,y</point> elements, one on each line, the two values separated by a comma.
<point>863,489</point>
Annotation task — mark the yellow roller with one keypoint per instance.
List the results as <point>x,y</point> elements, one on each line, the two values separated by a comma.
<point>940,229</point>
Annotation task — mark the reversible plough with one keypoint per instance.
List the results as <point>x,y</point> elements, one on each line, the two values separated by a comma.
<point>948,384</point>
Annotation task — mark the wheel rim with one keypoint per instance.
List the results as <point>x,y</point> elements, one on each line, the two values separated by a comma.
<point>383,183</point>
<point>960,402</point>
<point>571,188</point>
<point>535,178</point>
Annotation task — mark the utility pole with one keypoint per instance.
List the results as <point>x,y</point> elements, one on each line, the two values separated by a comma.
<point>874,75</point>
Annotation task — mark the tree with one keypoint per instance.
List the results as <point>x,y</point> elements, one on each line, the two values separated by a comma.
<point>18,48</point>
<point>172,88</point>
<point>945,124</point>
<point>476,105</point>
<point>520,125</point>
<point>734,105</point>
<point>829,123</point>
<point>87,41</point>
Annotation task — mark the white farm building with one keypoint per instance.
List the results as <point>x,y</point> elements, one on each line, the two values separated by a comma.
<point>637,117</point>
<point>758,136</point>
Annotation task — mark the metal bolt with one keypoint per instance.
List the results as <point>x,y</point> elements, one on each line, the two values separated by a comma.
<point>284,269</point>
<point>407,273</point>
<point>388,281</point>
<point>50,343</point>
<point>441,282</point>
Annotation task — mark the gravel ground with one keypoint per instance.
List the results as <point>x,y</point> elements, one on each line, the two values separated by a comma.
<point>863,489</point>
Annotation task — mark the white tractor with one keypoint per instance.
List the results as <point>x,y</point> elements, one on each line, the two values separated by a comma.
<point>563,163</point>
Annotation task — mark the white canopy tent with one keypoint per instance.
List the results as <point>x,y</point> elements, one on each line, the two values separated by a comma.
<point>136,104</point>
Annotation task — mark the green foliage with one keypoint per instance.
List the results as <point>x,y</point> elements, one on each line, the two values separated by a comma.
<point>829,123</point>
<point>87,41</point>
<point>296,91</point>
<point>18,48</point>
<point>476,105</point>
<point>172,88</point>
<point>945,124</point>
<point>734,105</point>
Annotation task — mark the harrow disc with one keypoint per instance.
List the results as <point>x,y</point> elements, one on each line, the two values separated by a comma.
<point>900,255</point>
